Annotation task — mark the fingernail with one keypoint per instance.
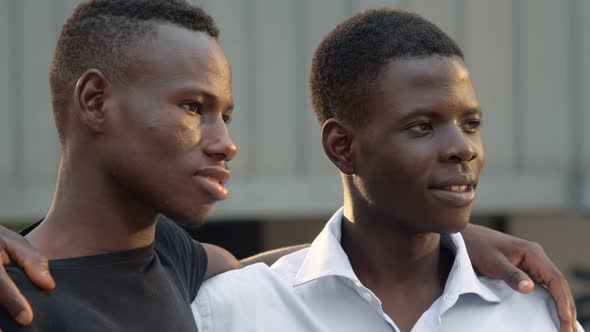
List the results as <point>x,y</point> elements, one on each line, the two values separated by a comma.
<point>523,284</point>
<point>23,317</point>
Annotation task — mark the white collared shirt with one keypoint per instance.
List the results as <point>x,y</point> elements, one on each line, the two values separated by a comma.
<point>315,289</point>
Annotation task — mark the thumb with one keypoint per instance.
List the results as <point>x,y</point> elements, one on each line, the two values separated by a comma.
<point>497,266</point>
<point>517,279</point>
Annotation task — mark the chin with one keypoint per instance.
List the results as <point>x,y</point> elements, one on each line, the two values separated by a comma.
<point>451,223</point>
<point>189,218</point>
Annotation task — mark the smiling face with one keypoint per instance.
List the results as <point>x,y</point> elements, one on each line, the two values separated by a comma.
<point>167,141</point>
<point>418,157</point>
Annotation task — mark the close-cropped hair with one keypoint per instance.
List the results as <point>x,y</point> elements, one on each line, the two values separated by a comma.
<point>100,33</point>
<point>349,58</point>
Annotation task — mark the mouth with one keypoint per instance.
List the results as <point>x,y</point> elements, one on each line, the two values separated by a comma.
<point>456,191</point>
<point>212,180</point>
<point>460,188</point>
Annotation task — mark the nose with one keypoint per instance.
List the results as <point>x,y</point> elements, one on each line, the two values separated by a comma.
<point>220,145</point>
<point>458,146</point>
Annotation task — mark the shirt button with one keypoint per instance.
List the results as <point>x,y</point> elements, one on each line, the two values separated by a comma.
<point>367,297</point>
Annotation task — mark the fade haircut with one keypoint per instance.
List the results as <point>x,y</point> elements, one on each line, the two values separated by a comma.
<point>349,58</point>
<point>100,34</point>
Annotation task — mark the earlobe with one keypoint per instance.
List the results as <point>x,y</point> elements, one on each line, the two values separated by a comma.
<point>337,140</point>
<point>89,96</point>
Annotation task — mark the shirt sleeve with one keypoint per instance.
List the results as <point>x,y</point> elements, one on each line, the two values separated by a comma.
<point>231,302</point>
<point>188,257</point>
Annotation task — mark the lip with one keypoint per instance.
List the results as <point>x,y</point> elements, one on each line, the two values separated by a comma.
<point>455,191</point>
<point>212,179</point>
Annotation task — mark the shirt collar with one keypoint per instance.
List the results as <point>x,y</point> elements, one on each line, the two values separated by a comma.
<point>462,278</point>
<point>326,257</point>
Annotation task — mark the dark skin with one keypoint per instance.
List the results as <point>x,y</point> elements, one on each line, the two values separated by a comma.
<point>421,149</point>
<point>187,130</point>
<point>170,111</point>
<point>171,115</point>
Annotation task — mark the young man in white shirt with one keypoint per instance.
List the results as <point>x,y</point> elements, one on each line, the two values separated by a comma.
<point>401,122</point>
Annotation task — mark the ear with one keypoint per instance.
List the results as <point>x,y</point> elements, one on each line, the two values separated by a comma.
<point>337,140</point>
<point>89,99</point>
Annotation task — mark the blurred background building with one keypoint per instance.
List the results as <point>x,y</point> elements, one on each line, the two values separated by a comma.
<point>530,64</point>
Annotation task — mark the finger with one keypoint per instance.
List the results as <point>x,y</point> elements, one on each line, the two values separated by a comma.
<point>547,274</point>
<point>13,301</point>
<point>26,257</point>
<point>518,280</point>
<point>574,319</point>
<point>5,259</point>
<point>513,276</point>
<point>560,291</point>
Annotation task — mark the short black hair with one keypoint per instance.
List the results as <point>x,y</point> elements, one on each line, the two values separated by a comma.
<point>349,58</point>
<point>98,34</point>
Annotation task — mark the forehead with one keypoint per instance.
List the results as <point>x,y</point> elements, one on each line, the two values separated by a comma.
<point>177,57</point>
<point>424,83</point>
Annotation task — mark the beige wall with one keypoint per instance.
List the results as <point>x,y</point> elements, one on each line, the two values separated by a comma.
<point>528,59</point>
<point>566,240</point>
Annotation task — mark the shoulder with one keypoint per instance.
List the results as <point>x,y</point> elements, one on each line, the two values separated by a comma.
<point>176,244</point>
<point>287,266</point>
<point>24,284</point>
<point>238,288</point>
<point>42,303</point>
<point>538,304</point>
<point>232,297</point>
<point>245,281</point>
<point>178,252</point>
<point>245,300</point>
<point>168,234</point>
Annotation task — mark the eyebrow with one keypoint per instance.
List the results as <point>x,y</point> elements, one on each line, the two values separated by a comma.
<point>429,113</point>
<point>474,111</point>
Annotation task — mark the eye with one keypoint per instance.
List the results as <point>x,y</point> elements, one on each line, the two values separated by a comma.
<point>472,126</point>
<point>192,107</point>
<point>227,119</point>
<point>421,128</point>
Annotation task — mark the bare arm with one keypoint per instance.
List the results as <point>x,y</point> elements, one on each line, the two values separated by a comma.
<point>270,257</point>
<point>219,260</point>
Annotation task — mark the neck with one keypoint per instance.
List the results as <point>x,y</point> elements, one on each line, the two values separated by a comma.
<point>383,257</point>
<point>386,254</point>
<point>91,215</point>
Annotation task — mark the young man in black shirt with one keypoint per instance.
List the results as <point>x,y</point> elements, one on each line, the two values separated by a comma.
<point>141,94</point>
<point>151,75</point>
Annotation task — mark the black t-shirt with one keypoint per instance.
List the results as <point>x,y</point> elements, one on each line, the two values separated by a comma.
<point>145,289</point>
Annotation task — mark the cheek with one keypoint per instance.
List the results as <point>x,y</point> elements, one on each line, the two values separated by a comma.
<point>158,153</point>
<point>172,137</point>
<point>182,137</point>
<point>400,172</point>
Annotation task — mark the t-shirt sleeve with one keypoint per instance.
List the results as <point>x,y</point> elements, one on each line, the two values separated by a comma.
<point>187,256</point>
